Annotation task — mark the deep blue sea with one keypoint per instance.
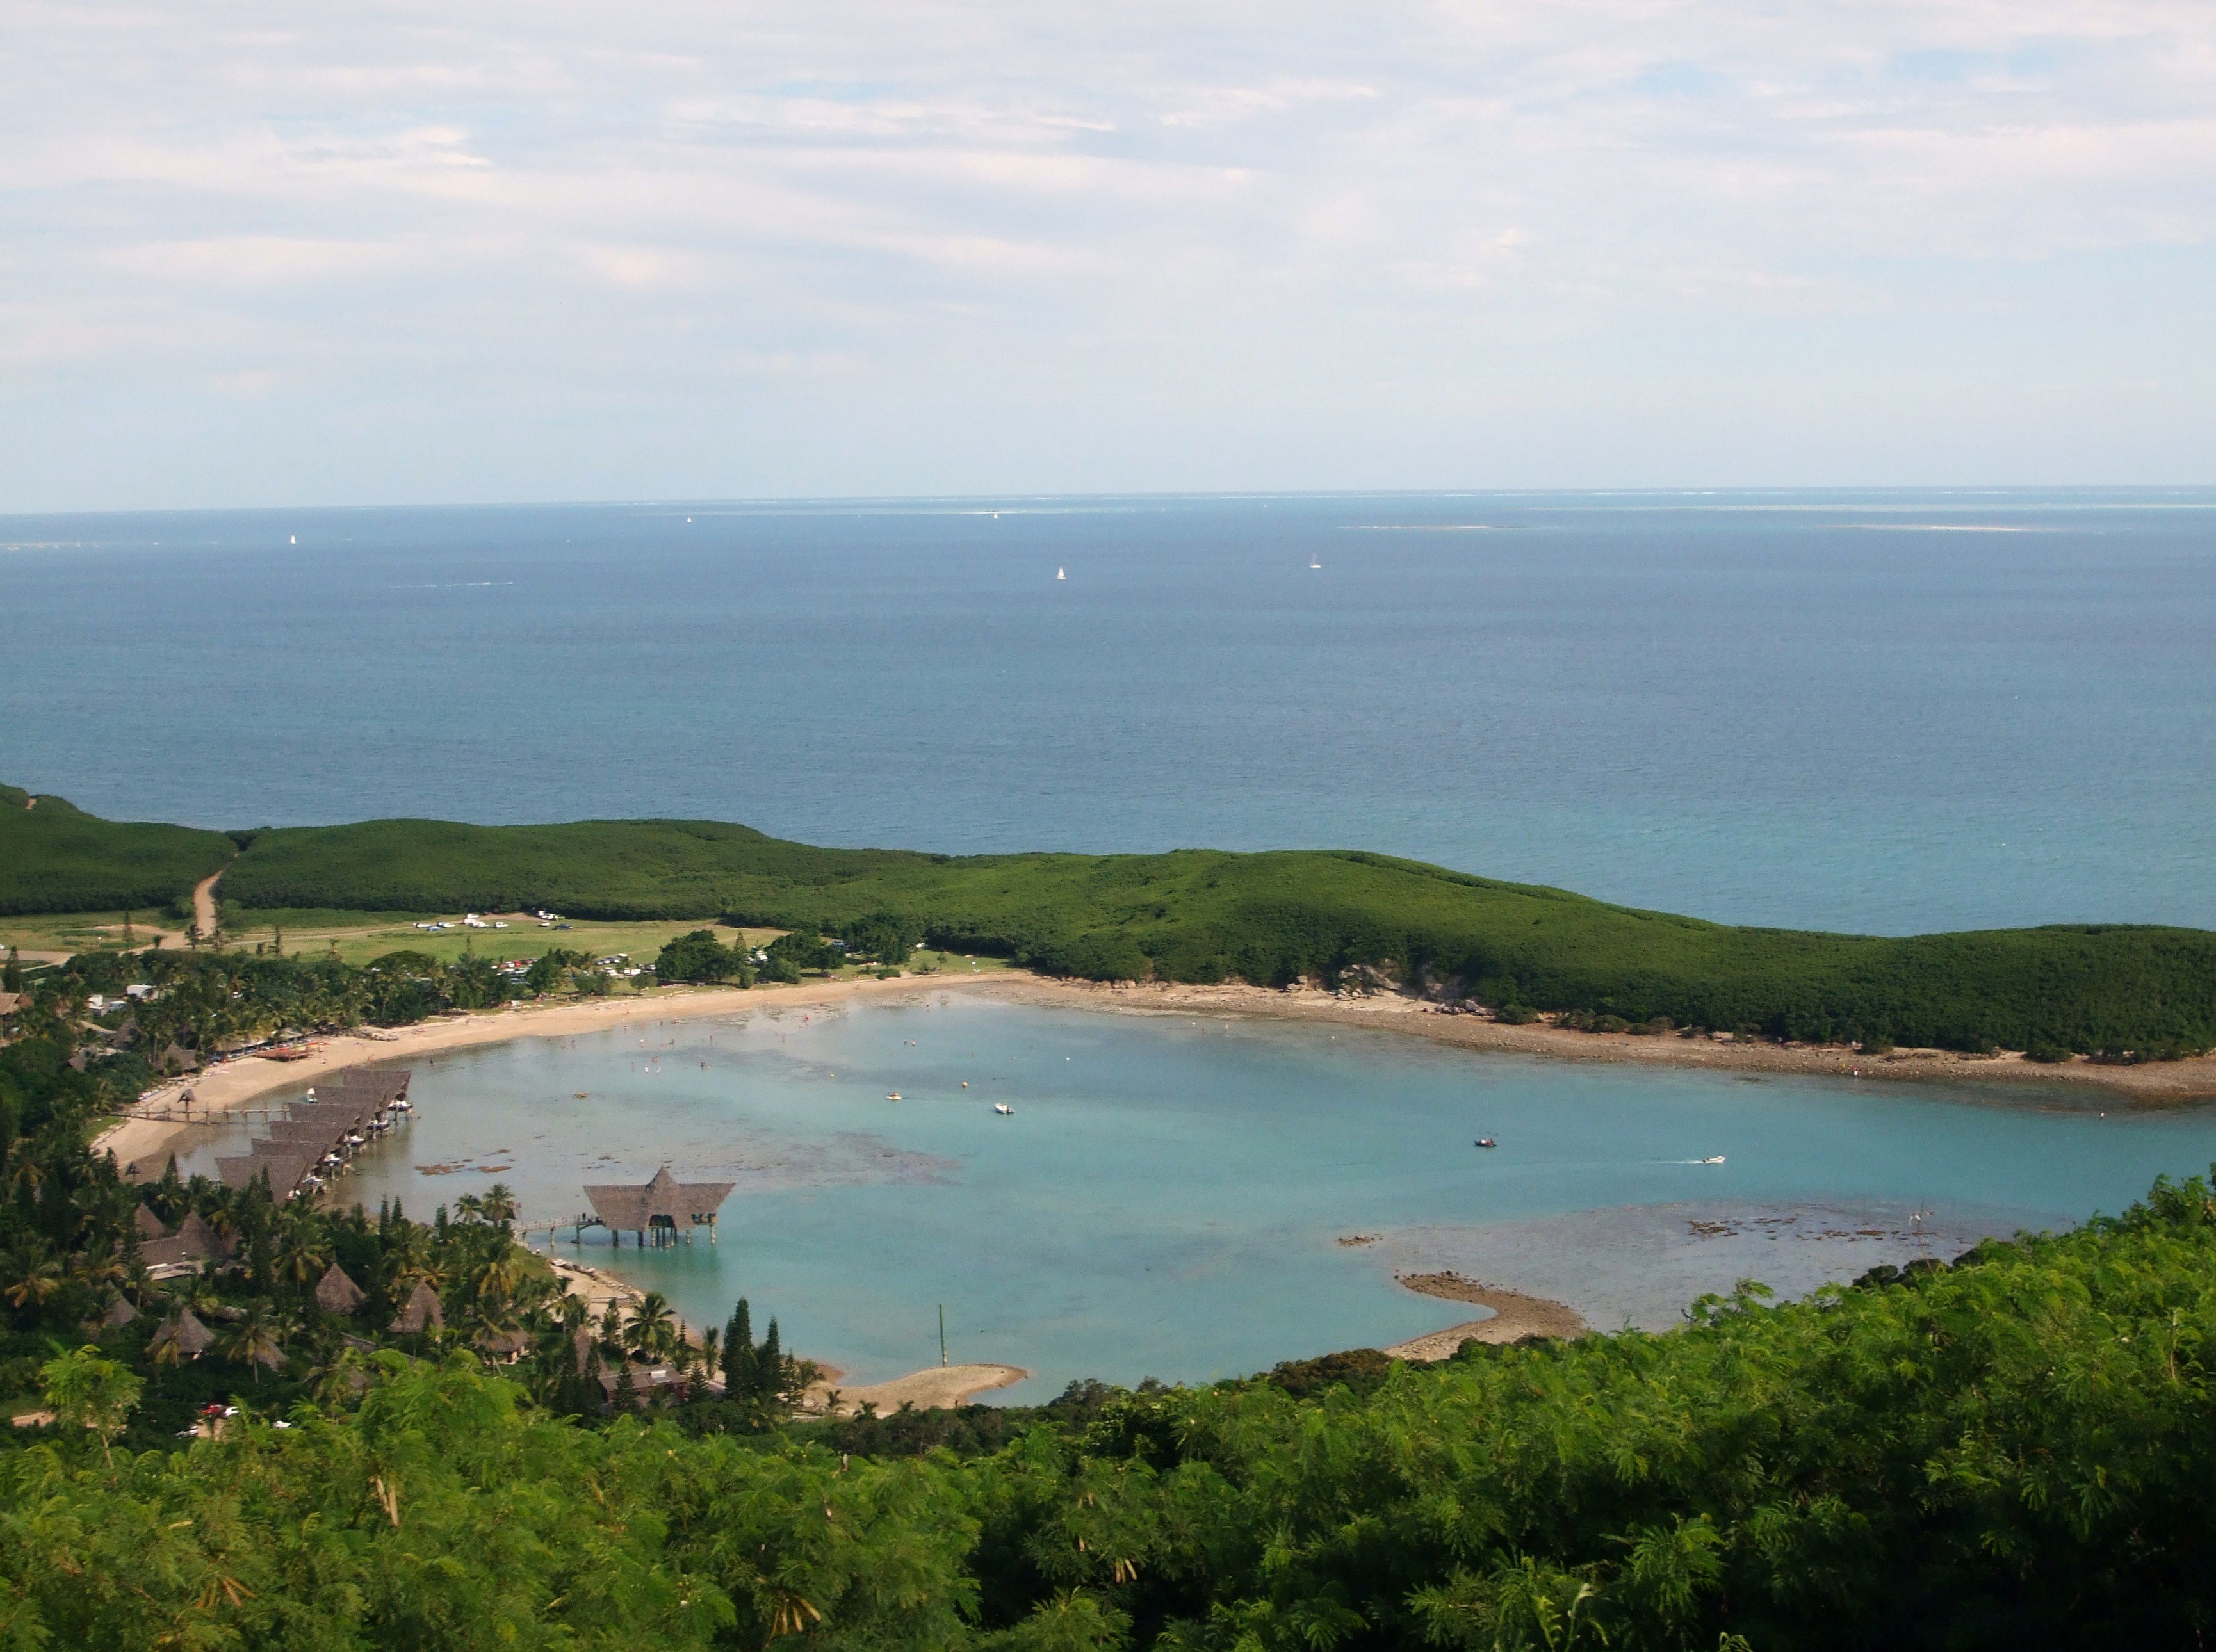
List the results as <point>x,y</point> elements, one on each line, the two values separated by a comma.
<point>1885,712</point>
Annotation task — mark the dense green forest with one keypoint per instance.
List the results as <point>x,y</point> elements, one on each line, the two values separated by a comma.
<point>1274,918</point>
<point>2011,1450</point>
<point>57,858</point>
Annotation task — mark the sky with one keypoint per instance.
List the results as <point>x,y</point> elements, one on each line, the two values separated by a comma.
<point>393,253</point>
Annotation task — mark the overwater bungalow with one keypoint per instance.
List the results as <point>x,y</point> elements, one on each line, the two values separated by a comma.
<point>657,1210</point>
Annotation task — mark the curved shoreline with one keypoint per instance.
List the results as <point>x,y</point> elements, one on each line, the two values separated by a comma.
<point>1515,1316</point>
<point>236,1083</point>
<point>230,1085</point>
<point>2151,1083</point>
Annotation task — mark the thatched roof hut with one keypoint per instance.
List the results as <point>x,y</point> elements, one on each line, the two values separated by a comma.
<point>335,1292</point>
<point>150,1225</point>
<point>506,1345</point>
<point>422,1308</point>
<point>191,1338</point>
<point>201,1240</point>
<point>193,1241</point>
<point>120,1312</point>
<point>664,1202</point>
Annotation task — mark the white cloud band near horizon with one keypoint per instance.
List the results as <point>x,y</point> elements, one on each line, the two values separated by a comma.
<point>260,254</point>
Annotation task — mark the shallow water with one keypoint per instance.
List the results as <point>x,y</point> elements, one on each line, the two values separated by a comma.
<point>1168,1198</point>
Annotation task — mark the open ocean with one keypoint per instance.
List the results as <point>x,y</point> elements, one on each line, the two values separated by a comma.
<point>1885,712</point>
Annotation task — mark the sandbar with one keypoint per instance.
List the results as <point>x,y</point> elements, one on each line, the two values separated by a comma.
<point>1515,1316</point>
<point>934,1387</point>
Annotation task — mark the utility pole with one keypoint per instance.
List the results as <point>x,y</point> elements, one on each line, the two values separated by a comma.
<point>942,1333</point>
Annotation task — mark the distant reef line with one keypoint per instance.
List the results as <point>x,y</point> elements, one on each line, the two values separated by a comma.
<point>2116,992</point>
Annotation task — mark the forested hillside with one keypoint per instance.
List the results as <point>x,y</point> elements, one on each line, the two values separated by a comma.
<point>1271,918</point>
<point>1268,917</point>
<point>54,857</point>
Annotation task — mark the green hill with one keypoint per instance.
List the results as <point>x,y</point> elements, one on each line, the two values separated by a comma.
<point>1192,915</point>
<point>54,857</point>
<point>1271,918</point>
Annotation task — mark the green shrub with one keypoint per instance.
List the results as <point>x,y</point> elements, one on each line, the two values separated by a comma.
<point>1517,1015</point>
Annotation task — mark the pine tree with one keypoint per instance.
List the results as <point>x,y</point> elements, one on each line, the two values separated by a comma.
<point>769,1366</point>
<point>611,1326</point>
<point>626,1389</point>
<point>738,1354</point>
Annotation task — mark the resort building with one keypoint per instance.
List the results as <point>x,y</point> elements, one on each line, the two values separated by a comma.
<point>657,1210</point>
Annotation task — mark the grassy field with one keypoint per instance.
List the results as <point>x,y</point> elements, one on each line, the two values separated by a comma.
<point>359,937</point>
<point>73,932</point>
<point>1269,918</point>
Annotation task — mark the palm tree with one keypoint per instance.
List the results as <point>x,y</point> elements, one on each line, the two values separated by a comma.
<point>28,1174</point>
<point>33,1276</point>
<point>498,1205</point>
<point>469,1208</point>
<point>410,1259</point>
<point>256,1342</point>
<point>301,1255</point>
<point>652,1332</point>
<point>498,1275</point>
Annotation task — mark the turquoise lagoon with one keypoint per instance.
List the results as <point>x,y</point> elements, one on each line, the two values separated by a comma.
<point>1172,1195</point>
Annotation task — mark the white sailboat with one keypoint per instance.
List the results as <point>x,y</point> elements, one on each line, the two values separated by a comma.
<point>1061,575</point>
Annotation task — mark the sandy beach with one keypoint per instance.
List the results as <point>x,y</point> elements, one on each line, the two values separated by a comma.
<point>2153,1082</point>
<point>934,1387</point>
<point>229,1085</point>
<point>1515,1316</point>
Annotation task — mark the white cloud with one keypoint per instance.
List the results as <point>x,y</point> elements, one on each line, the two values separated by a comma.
<point>1260,233</point>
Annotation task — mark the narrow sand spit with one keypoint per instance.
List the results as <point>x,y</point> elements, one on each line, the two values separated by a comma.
<point>938,1385</point>
<point>2152,1082</point>
<point>1515,1316</point>
<point>145,1140</point>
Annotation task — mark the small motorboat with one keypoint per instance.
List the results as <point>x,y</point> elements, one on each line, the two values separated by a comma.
<point>1486,1141</point>
<point>1718,1159</point>
<point>892,1096</point>
<point>1004,1109</point>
